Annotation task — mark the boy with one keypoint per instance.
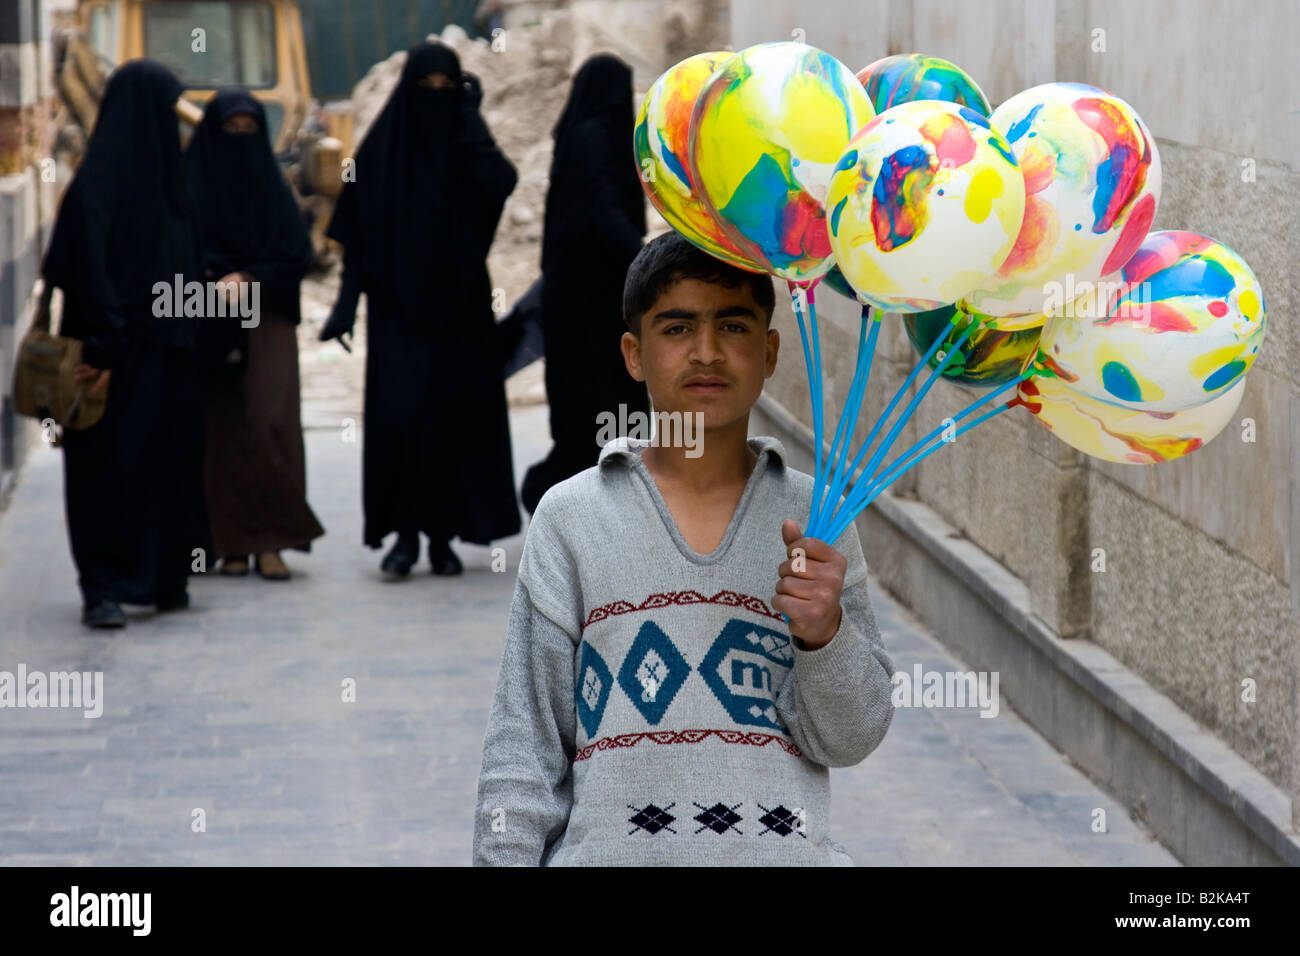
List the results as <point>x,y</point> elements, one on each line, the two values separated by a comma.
<point>652,707</point>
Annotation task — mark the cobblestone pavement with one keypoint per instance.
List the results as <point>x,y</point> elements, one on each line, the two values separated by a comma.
<point>234,708</point>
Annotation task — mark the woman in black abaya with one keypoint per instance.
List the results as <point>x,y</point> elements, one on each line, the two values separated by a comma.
<point>595,221</point>
<point>416,226</point>
<point>133,482</point>
<point>252,232</point>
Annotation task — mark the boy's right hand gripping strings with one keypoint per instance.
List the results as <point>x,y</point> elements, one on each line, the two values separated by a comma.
<point>808,592</point>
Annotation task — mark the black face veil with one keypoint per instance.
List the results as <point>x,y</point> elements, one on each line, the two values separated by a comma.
<point>124,223</point>
<point>247,216</point>
<point>407,211</point>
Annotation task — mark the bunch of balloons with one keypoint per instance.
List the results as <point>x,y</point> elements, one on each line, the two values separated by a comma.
<point>1012,242</point>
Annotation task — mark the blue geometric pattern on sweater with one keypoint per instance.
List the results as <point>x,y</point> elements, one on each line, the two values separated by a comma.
<point>652,672</point>
<point>592,690</point>
<point>744,667</point>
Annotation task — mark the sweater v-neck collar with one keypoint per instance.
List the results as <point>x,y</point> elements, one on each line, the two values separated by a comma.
<point>627,452</point>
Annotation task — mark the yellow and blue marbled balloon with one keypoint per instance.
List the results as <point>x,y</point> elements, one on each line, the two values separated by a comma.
<point>1092,181</point>
<point>925,204</point>
<point>914,76</point>
<point>988,357</point>
<point>1178,326</point>
<point>765,135</point>
<point>661,140</point>
<point>1124,435</point>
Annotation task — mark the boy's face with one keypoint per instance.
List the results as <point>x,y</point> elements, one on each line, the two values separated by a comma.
<point>703,348</point>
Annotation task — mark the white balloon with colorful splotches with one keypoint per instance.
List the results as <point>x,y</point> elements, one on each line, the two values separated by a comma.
<point>925,204</point>
<point>1181,325</point>
<point>1092,181</point>
<point>1125,435</point>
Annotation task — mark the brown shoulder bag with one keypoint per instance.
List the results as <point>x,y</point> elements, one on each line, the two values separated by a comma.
<point>44,384</point>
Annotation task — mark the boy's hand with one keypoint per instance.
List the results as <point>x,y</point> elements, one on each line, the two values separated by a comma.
<point>809,590</point>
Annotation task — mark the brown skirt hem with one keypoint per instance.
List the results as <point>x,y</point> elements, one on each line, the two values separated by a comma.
<point>255,468</point>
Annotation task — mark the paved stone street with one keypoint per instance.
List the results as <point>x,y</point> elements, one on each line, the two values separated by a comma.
<point>235,708</point>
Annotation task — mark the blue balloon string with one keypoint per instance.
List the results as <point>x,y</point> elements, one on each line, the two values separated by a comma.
<point>813,364</point>
<point>844,432</point>
<point>843,478</point>
<point>813,360</point>
<point>934,376</point>
<point>870,489</point>
<point>817,360</point>
<point>956,418</point>
<point>886,471</point>
<point>803,336</point>
<point>847,519</point>
<point>839,436</point>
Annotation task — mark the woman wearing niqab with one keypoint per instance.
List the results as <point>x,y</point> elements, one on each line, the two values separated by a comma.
<point>133,482</point>
<point>416,224</point>
<point>595,221</point>
<point>251,231</point>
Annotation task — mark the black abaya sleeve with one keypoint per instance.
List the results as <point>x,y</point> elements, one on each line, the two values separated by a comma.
<point>345,225</point>
<point>281,278</point>
<point>344,314</point>
<point>75,264</point>
<point>345,228</point>
<point>492,180</point>
<point>602,170</point>
<point>102,343</point>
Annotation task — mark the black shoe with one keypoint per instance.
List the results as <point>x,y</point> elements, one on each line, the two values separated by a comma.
<point>174,602</point>
<point>399,561</point>
<point>103,614</point>
<point>444,559</point>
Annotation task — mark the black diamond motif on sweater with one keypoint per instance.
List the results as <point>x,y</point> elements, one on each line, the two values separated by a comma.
<point>651,819</point>
<point>719,818</point>
<point>781,821</point>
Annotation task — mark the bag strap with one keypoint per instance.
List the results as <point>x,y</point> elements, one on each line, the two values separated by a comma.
<point>42,318</point>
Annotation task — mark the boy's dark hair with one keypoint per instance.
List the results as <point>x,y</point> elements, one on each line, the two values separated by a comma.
<point>670,258</point>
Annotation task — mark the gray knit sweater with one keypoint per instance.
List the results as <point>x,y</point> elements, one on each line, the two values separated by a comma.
<point>651,707</point>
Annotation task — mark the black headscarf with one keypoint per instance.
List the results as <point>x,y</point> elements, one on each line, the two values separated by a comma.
<point>125,221</point>
<point>406,212</point>
<point>593,168</point>
<point>247,217</point>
